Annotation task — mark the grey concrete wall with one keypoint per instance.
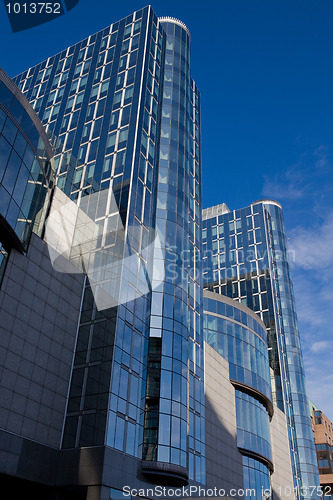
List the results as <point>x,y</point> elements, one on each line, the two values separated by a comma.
<point>224,467</point>
<point>281,479</point>
<point>39,310</point>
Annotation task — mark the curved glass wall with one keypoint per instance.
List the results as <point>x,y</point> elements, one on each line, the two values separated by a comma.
<point>252,425</point>
<point>174,425</point>
<point>256,479</point>
<point>26,175</point>
<point>236,333</point>
<point>240,339</point>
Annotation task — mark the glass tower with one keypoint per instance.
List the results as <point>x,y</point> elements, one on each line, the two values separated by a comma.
<point>125,112</point>
<point>176,342</point>
<point>245,258</point>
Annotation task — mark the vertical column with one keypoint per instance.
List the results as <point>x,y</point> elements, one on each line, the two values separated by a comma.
<point>174,400</point>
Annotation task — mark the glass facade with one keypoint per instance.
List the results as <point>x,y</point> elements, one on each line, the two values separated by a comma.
<point>26,173</point>
<point>237,264</point>
<point>125,111</point>
<point>252,425</point>
<point>297,403</point>
<point>246,259</point>
<point>256,479</point>
<point>124,116</point>
<point>176,315</point>
<point>240,337</point>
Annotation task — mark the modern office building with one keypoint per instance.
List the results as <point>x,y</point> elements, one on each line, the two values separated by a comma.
<point>245,258</point>
<point>125,111</point>
<point>123,103</point>
<point>106,380</point>
<point>323,438</point>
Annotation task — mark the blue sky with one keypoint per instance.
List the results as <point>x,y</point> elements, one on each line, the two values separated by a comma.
<point>265,73</point>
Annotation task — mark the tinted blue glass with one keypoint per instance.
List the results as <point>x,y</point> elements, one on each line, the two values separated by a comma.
<point>22,196</point>
<point>253,269</point>
<point>252,419</point>
<point>256,479</point>
<point>244,348</point>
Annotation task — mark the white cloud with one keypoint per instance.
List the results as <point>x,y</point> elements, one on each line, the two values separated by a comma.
<point>313,248</point>
<point>302,178</point>
<point>318,388</point>
<point>307,189</point>
<point>321,155</point>
<point>314,309</point>
<point>321,346</point>
<point>319,381</point>
<point>285,186</point>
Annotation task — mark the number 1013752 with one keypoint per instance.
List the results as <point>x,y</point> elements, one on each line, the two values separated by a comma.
<point>34,8</point>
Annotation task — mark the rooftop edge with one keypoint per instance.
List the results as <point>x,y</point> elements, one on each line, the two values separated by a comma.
<point>174,20</point>
<point>268,202</point>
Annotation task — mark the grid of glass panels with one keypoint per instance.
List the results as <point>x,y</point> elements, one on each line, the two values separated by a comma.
<point>241,340</point>
<point>176,305</point>
<point>256,479</point>
<point>26,176</point>
<point>246,259</point>
<point>127,410</point>
<point>84,95</point>
<point>306,466</point>
<point>252,425</point>
<point>237,264</point>
<point>102,99</point>
<point>196,425</point>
